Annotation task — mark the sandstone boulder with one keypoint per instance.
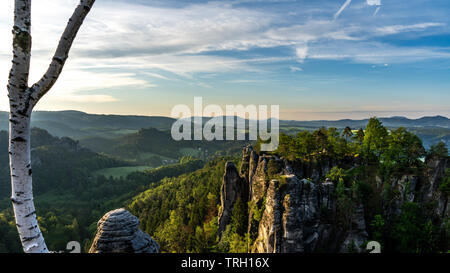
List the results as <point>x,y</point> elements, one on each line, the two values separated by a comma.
<point>118,232</point>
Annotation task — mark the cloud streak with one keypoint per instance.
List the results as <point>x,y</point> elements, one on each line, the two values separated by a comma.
<point>376,11</point>
<point>374,2</point>
<point>347,2</point>
<point>395,29</point>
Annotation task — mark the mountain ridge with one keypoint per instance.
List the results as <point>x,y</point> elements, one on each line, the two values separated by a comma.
<point>43,112</point>
<point>80,125</point>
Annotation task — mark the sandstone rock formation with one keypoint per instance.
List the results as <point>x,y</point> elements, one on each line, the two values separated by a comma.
<point>233,188</point>
<point>435,174</point>
<point>292,218</point>
<point>118,232</point>
<point>292,208</point>
<point>358,234</point>
<point>269,234</point>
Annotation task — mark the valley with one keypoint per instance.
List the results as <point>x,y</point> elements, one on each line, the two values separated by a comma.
<point>175,187</point>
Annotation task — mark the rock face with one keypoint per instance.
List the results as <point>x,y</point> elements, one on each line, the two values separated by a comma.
<point>293,209</point>
<point>406,186</point>
<point>269,235</point>
<point>118,232</point>
<point>300,218</point>
<point>294,219</point>
<point>431,193</point>
<point>423,190</point>
<point>258,183</point>
<point>287,214</point>
<point>233,188</point>
<point>291,218</point>
<point>358,234</point>
<point>298,213</point>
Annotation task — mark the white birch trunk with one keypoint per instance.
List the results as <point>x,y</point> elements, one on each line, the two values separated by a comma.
<point>22,99</point>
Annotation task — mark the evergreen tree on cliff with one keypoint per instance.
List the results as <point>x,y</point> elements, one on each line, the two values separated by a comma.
<point>22,99</point>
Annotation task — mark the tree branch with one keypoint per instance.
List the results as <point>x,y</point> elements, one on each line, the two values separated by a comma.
<point>39,89</point>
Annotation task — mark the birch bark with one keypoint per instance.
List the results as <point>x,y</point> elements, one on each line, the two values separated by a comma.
<point>22,100</point>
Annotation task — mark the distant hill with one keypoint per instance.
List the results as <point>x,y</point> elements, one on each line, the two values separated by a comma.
<point>435,121</point>
<point>80,125</point>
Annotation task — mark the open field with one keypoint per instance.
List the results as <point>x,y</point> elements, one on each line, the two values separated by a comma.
<point>118,172</point>
<point>190,152</point>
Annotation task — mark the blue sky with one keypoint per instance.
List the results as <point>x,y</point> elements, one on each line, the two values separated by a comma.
<point>316,59</point>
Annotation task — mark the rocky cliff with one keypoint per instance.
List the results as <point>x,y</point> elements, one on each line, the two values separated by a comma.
<point>297,213</point>
<point>293,208</point>
<point>118,232</point>
<point>233,188</point>
<point>434,177</point>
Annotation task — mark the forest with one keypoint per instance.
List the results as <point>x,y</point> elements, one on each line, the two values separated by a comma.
<point>187,222</point>
<point>178,203</point>
<point>69,197</point>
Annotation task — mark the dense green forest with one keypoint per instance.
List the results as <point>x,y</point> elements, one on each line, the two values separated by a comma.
<point>71,192</point>
<point>69,198</point>
<point>181,212</point>
<point>378,155</point>
<point>177,203</point>
<point>73,214</point>
<point>154,147</point>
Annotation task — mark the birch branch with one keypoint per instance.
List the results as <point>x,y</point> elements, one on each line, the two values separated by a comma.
<point>40,88</point>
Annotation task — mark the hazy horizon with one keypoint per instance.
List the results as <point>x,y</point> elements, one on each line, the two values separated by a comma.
<point>168,116</point>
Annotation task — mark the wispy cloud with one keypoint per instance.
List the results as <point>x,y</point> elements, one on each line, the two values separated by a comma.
<point>175,39</point>
<point>375,52</point>
<point>87,98</point>
<point>130,45</point>
<point>295,68</point>
<point>374,2</point>
<point>155,75</point>
<point>394,29</point>
<point>243,81</point>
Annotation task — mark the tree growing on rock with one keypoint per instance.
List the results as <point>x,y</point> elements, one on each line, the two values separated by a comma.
<point>374,139</point>
<point>22,99</point>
